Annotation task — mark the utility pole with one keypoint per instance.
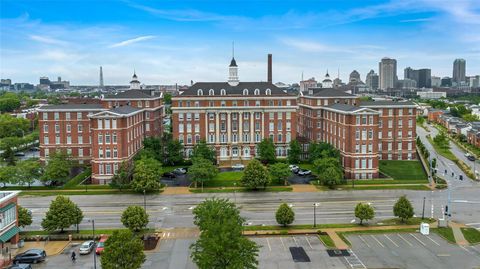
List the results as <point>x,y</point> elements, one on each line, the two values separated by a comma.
<point>423,210</point>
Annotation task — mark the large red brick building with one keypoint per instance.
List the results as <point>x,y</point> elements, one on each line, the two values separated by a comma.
<point>234,117</point>
<point>104,134</point>
<point>363,132</point>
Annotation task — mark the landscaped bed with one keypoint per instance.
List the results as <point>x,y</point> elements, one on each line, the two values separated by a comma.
<point>472,235</point>
<point>403,170</point>
<point>446,233</point>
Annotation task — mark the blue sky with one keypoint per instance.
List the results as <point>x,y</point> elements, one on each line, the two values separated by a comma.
<point>177,41</point>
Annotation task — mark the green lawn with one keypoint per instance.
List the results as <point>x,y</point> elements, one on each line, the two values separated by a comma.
<point>446,233</point>
<point>411,221</point>
<point>472,235</point>
<point>400,170</point>
<point>298,226</point>
<point>225,179</point>
<point>445,152</point>
<point>242,189</point>
<point>326,240</point>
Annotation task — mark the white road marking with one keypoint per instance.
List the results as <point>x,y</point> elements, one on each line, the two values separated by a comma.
<point>433,240</point>
<point>306,238</point>
<point>363,240</point>
<point>419,240</point>
<point>377,241</point>
<point>281,240</point>
<point>464,248</point>
<point>357,262</point>
<point>295,240</point>
<point>405,240</point>
<point>268,243</point>
<point>391,240</point>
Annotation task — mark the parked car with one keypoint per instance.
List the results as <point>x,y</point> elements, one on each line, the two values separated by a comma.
<point>19,154</point>
<point>294,168</point>
<point>20,266</point>
<point>238,166</point>
<point>304,172</point>
<point>471,158</point>
<point>180,171</point>
<point>35,149</point>
<point>87,247</point>
<point>101,245</point>
<point>169,175</point>
<point>30,256</point>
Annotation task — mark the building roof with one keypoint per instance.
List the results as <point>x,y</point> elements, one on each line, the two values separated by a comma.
<point>124,110</point>
<point>345,107</point>
<point>132,94</point>
<point>71,107</point>
<point>387,103</point>
<point>233,90</point>
<point>233,62</point>
<point>327,92</point>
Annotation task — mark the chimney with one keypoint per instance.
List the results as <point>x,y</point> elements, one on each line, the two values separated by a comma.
<point>269,76</point>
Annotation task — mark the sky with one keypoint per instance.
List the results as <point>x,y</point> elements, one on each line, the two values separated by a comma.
<point>168,42</point>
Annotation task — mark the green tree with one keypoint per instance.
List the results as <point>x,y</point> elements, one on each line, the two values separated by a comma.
<point>441,140</point>
<point>284,215</point>
<point>329,171</point>
<point>403,209</point>
<point>6,173</point>
<point>154,145</point>
<point>62,214</point>
<point>221,243</point>
<point>58,168</point>
<point>135,218</point>
<point>9,156</point>
<point>24,217</point>
<point>420,120</point>
<point>123,176</point>
<point>255,175</point>
<point>294,152</point>
<point>9,102</point>
<point>470,117</point>
<point>27,172</point>
<point>146,174</point>
<point>321,150</point>
<point>364,212</point>
<point>202,170</point>
<point>167,98</point>
<point>279,172</point>
<point>202,150</point>
<point>123,250</point>
<point>266,151</point>
<point>171,150</point>
<point>12,126</point>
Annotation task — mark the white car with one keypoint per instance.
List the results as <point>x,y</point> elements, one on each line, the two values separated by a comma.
<point>180,171</point>
<point>294,168</point>
<point>304,172</point>
<point>238,166</point>
<point>87,247</point>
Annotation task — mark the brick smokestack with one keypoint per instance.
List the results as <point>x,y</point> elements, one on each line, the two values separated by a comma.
<point>269,75</point>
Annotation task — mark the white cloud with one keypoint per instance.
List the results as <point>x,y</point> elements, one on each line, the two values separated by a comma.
<point>47,40</point>
<point>417,20</point>
<point>131,41</point>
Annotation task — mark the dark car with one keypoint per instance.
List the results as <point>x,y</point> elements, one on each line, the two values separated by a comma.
<point>169,175</point>
<point>20,266</point>
<point>30,256</point>
<point>19,154</point>
<point>471,158</point>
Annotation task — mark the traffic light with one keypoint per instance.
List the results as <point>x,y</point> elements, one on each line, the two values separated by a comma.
<point>461,177</point>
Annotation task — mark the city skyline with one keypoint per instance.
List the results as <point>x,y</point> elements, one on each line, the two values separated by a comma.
<point>183,41</point>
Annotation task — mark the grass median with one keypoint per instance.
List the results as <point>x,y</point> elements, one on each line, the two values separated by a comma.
<point>445,233</point>
<point>472,235</point>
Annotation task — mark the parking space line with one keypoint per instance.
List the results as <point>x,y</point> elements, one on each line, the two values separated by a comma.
<point>377,241</point>
<point>419,240</point>
<point>306,238</point>
<point>295,240</point>
<point>268,243</point>
<point>363,240</point>
<point>391,240</point>
<point>433,240</point>
<point>281,240</point>
<point>405,240</point>
<point>464,248</point>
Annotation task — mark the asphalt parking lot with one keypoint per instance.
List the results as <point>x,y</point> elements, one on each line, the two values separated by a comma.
<point>411,250</point>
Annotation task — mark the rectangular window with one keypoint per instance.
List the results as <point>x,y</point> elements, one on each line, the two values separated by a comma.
<point>69,139</point>
<point>288,126</point>
<point>67,115</point>
<point>257,115</point>
<point>189,116</point>
<point>100,152</point>
<point>400,112</point>
<point>80,127</point>
<point>409,146</point>
<point>45,140</point>
<point>107,138</point>
<point>115,152</point>
<point>45,115</point>
<point>180,116</point>
<point>197,127</point>
<point>108,153</point>
<point>57,128</point>
<point>108,169</point>
<point>80,152</point>
<point>80,139</point>
<point>189,127</point>
<point>147,127</point>
<point>279,125</point>
<point>69,128</point>
<point>180,128</point>
<point>114,123</point>
<point>197,116</point>
<point>211,127</point>
<point>100,124</point>
<point>271,126</point>
<point>79,115</point>
<point>399,146</point>
<point>107,124</point>
<point>57,139</point>
<point>45,128</point>
<point>56,116</point>
<point>100,138</point>
<point>410,123</point>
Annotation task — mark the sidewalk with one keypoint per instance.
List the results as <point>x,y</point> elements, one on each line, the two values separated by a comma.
<point>303,188</point>
<point>175,190</point>
<point>51,247</point>
<point>457,233</point>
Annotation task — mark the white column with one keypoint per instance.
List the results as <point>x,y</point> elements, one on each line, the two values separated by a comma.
<point>229,128</point>
<point>262,114</point>
<point>252,125</point>
<point>240,127</point>
<point>217,128</point>
<point>206,125</point>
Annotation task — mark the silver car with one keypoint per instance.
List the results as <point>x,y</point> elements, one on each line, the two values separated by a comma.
<point>87,247</point>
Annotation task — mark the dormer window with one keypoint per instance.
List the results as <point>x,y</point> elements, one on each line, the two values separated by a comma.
<point>200,92</point>
<point>210,92</point>
<point>223,92</point>
<point>268,92</point>
<point>256,92</point>
<point>245,91</point>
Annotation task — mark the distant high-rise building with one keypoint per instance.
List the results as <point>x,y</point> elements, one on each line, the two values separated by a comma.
<point>458,71</point>
<point>446,82</point>
<point>6,82</point>
<point>354,77</point>
<point>436,81</point>
<point>44,81</point>
<point>309,83</point>
<point>422,77</point>
<point>101,78</point>
<point>372,80</point>
<point>475,81</point>
<point>388,73</point>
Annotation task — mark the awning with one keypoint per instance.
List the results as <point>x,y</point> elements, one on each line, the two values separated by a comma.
<point>9,234</point>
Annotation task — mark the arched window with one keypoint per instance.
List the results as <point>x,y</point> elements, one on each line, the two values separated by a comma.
<point>199,92</point>
<point>210,92</point>
<point>268,92</point>
<point>223,152</point>
<point>246,151</point>
<point>245,91</point>
<point>256,92</point>
<point>223,92</point>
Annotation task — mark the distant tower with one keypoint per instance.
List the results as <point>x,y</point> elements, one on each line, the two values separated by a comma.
<point>387,69</point>
<point>101,78</point>
<point>269,70</point>
<point>459,71</point>
<point>134,84</point>
<point>327,82</point>
<point>233,70</point>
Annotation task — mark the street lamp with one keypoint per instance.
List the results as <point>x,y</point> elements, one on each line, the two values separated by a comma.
<point>315,214</point>
<point>423,211</point>
<point>93,235</point>
<point>144,201</point>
